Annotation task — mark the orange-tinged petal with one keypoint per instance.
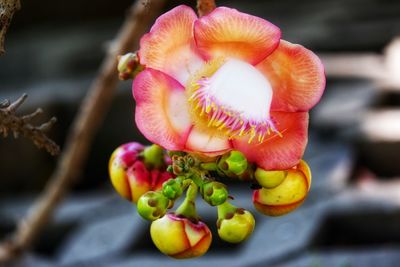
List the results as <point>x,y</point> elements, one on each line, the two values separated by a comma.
<point>226,32</point>
<point>169,46</point>
<point>296,75</point>
<point>208,143</point>
<point>161,109</point>
<point>278,152</point>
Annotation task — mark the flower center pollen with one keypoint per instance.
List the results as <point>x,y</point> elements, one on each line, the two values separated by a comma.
<point>236,99</point>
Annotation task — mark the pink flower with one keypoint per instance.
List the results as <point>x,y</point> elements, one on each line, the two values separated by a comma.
<point>129,174</point>
<point>226,81</point>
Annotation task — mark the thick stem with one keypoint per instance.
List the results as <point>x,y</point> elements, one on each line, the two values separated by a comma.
<point>209,166</point>
<point>226,210</point>
<point>188,208</point>
<point>7,10</point>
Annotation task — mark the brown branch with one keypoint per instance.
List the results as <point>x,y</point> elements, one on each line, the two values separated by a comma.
<point>10,122</point>
<point>204,7</point>
<point>7,10</point>
<point>86,124</point>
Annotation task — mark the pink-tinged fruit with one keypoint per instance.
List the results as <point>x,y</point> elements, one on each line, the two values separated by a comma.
<point>288,195</point>
<point>130,176</point>
<point>121,160</point>
<point>179,237</point>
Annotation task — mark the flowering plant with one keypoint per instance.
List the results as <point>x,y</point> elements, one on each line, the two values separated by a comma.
<point>225,97</point>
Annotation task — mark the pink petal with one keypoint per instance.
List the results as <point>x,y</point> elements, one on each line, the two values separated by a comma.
<point>296,75</point>
<point>170,47</point>
<point>226,32</point>
<point>161,109</point>
<point>278,153</point>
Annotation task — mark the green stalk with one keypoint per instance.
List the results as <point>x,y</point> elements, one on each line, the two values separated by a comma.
<point>188,207</point>
<point>226,210</point>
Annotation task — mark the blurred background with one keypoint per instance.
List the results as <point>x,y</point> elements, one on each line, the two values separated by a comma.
<point>352,214</point>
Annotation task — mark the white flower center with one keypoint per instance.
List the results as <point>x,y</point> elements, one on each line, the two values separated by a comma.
<point>239,86</point>
<point>235,99</point>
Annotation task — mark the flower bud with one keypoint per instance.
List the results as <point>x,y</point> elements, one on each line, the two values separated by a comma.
<point>233,163</point>
<point>154,157</point>
<point>269,179</point>
<point>236,228</point>
<point>172,188</point>
<point>152,205</point>
<point>128,66</point>
<point>288,195</point>
<point>129,174</point>
<point>121,160</point>
<point>180,238</point>
<point>178,165</point>
<point>214,193</point>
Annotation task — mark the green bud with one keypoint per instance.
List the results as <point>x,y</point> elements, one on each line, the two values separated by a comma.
<point>233,163</point>
<point>238,228</point>
<point>152,205</point>
<point>269,179</point>
<point>154,156</point>
<point>190,161</point>
<point>178,165</point>
<point>234,224</point>
<point>129,66</point>
<point>214,193</point>
<point>173,188</point>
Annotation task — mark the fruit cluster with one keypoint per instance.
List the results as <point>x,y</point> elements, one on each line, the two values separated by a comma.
<point>155,179</point>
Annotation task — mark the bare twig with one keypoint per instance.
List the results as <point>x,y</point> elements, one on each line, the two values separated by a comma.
<point>7,10</point>
<point>10,122</point>
<point>86,124</point>
<point>204,7</point>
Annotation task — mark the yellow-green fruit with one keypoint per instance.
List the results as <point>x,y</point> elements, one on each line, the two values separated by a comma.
<point>288,195</point>
<point>128,176</point>
<point>237,228</point>
<point>269,179</point>
<point>180,238</point>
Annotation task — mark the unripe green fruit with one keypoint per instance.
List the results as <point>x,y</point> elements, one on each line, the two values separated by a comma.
<point>152,205</point>
<point>214,193</point>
